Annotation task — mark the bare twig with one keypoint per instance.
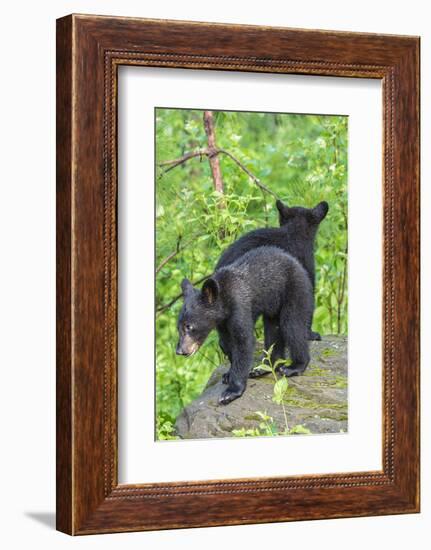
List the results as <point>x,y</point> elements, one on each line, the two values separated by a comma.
<point>249,174</point>
<point>265,207</point>
<point>175,253</point>
<point>176,162</point>
<point>166,260</point>
<point>341,291</point>
<point>207,358</point>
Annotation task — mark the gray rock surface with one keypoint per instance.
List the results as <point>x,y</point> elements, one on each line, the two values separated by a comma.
<point>317,400</point>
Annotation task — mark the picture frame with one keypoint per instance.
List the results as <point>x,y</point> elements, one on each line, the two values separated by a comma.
<point>89,51</point>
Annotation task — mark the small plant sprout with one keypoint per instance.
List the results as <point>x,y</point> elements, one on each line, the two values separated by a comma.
<point>281,385</point>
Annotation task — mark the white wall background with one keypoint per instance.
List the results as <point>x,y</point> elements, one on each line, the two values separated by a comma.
<point>27,280</point>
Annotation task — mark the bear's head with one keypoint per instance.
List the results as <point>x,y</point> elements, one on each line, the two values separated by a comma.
<point>201,312</point>
<point>302,222</point>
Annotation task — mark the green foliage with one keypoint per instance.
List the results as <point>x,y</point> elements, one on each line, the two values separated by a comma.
<point>165,430</point>
<point>301,158</point>
<point>268,428</point>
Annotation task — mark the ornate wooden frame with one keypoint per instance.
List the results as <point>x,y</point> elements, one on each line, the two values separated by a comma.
<point>89,51</point>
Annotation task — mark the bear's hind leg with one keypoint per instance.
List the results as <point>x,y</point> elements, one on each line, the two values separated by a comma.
<point>274,338</point>
<point>311,334</point>
<point>295,332</point>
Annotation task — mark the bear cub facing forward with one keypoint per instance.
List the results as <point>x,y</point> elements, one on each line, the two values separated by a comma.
<point>264,281</point>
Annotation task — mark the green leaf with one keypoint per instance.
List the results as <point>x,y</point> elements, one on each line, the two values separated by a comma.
<point>263,366</point>
<point>281,362</point>
<point>280,388</point>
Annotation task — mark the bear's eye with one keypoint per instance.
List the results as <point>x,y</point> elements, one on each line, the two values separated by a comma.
<point>188,327</point>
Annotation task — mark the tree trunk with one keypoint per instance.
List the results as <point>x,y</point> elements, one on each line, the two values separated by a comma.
<point>212,148</point>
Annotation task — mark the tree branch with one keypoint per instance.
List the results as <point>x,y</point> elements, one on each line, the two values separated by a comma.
<point>341,290</point>
<point>249,174</point>
<point>206,152</point>
<point>176,162</point>
<point>213,151</point>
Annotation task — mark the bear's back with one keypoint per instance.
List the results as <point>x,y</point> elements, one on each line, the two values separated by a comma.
<point>263,277</point>
<point>267,262</point>
<point>279,237</point>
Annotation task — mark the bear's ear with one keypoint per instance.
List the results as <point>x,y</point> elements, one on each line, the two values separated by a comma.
<point>210,291</point>
<point>320,211</point>
<point>283,211</point>
<point>281,207</point>
<point>186,287</point>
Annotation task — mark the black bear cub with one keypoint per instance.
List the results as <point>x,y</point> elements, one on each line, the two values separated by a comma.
<point>296,235</point>
<point>264,281</point>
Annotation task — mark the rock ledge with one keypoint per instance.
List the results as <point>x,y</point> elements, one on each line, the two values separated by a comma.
<point>316,400</point>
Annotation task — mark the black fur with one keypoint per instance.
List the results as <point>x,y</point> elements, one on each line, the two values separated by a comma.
<point>296,235</point>
<point>265,281</point>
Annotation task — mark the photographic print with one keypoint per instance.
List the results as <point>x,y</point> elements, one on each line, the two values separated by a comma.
<point>251,274</point>
<point>204,274</point>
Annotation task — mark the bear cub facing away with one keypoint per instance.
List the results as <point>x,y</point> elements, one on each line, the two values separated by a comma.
<point>296,236</point>
<point>264,281</point>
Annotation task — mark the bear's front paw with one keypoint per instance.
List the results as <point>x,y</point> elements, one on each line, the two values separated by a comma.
<point>314,336</point>
<point>230,395</point>
<point>225,378</point>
